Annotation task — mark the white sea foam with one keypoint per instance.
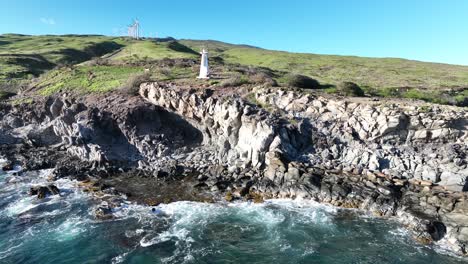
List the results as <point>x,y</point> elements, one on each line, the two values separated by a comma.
<point>20,206</point>
<point>26,203</point>
<point>120,258</point>
<point>186,217</point>
<point>9,250</point>
<point>70,228</point>
<point>175,233</point>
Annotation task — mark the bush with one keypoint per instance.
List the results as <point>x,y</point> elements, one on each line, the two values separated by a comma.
<point>234,81</point>
<point>5,95</point>
<point>262,78</point>
<point>461,100</point>
<point>11,87</point>
<point>133,83</point>
<point>350,89</point>
<point>165,71</point>
<point>302,81</point>
<point>99,62</point>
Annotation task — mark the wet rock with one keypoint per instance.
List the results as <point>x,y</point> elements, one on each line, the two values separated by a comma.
<point>384,190</point>
<point>152,201</point>
<point>103,212</point>
<point>229,197</point>
<point>8,167</point>
<point>161,174</point>
<point>42,191</point>
<point>378,157</point>
<point>255,197</point>
<point>91,185</point>
<point>437,230</point>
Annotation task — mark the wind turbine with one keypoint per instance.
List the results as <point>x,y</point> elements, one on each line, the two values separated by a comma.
<point>137,28</point>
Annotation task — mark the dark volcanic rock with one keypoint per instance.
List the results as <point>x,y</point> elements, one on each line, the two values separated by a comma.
<point>194,144</point>
<point>42,191</point>
<point>103,212</point>
<point>7,167</point>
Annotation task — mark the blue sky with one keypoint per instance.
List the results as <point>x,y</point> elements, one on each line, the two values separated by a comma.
<point>428,30</point>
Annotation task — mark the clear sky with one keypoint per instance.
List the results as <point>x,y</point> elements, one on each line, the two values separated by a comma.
<point>428,30</point>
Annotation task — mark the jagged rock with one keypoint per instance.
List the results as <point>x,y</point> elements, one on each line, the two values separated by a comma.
<point>292,174</point>
<point>103,212</point>
<point>42,191</point>
<point>7,167</point>
<point>437,230</point>
<point>378,157</point>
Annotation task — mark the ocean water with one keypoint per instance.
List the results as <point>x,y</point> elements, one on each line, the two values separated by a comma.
<point>62,229</point>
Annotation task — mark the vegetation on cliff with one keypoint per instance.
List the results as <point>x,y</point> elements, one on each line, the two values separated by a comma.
<point>90,63</point>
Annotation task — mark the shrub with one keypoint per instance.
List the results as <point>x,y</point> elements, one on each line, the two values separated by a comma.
<point>5,95</point>
<point>302,81</point>
<point>461,100</point>
<point>132,86</point>
<point>99,62</point>
<point>350,89</point>
<point>11,87</point>
<point>165,71</point>
<point>233,81</point>
<point>262,78</point>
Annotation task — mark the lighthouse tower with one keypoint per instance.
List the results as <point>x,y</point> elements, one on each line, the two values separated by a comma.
<point>204,68</point>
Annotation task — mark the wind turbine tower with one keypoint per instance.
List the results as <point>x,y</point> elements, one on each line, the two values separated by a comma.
<point>134,29</point>
<point>137,26</point>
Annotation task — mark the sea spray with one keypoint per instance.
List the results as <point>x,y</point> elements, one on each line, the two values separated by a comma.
<point>63,229</point>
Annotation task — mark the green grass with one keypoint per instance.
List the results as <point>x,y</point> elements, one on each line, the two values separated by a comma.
<point>215,48</point>
<point>21,101</point>
<point>85,79</point>
<point>24,57</point>
<point>148,50</point>
<point>457,97</point>
<point>363,71</point>
<point>387,77</point>
<point>55,49</point>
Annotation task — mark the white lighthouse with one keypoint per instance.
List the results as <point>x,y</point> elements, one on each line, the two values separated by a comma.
<point>204,68</point>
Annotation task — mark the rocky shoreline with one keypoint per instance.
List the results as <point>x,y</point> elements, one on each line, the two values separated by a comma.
<point>174,143</point>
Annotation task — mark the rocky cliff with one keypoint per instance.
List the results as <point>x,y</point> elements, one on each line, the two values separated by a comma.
<point>403,142</point>
<point>405,161</point>
<point>388,159</point>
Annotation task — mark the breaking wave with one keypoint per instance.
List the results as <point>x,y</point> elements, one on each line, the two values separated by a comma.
<point>62,229</point>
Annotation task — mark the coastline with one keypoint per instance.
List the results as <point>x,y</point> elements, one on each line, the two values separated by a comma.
<point>224,147</point>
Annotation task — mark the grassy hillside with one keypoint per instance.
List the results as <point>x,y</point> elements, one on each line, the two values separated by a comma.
<point>387,77</point>
<point>373,72</point>
<point>24,57</point>
<point>149,50</point>
<point>99,64</point>
<point>135,60</point>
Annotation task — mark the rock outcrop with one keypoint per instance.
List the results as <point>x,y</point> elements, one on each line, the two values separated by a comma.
<point>119,130</point>
<point>392,160</point>
<point>425,143</point>
<point>42,191</point>
<point>405,143</point>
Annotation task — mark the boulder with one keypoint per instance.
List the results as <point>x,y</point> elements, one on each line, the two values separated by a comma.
<point>43,191</point>
<point>103,212</point>
<point>437,230</point>
<point>292,174</point>
<point>7,167</point>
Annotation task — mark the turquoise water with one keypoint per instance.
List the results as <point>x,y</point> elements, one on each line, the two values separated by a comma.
<point>62,229</point>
